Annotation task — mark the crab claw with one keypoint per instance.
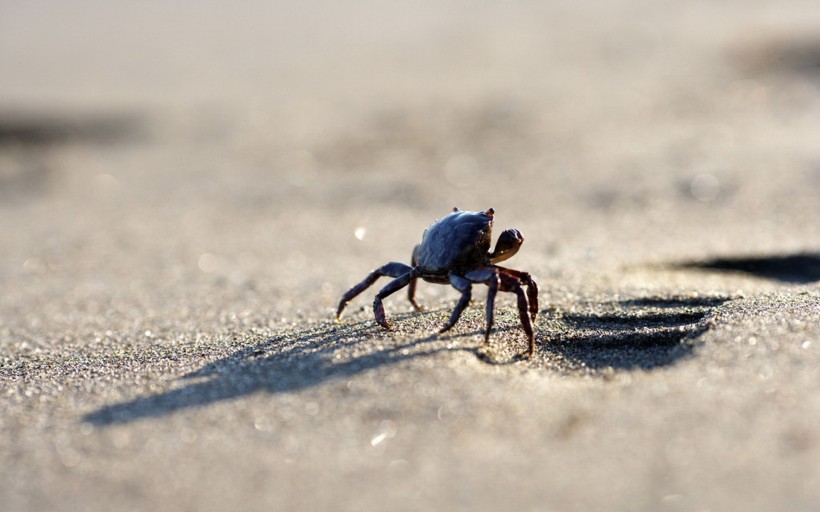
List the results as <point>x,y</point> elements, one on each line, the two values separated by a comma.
<point>507,245</point>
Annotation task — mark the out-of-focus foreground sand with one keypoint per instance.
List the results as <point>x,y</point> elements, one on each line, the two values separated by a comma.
<point>186,191</point>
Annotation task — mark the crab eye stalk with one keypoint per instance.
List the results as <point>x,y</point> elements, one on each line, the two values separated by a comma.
<point>489,212</point>
<point>507,245</point>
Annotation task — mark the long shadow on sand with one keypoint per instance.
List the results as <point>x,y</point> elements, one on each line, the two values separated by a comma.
<point>643,333</point>
<point>288,362</point>
<point>634,334</point>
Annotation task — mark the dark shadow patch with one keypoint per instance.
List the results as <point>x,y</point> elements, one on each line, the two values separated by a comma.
<point>27,130</point>
<point>620,322</point>
<point>643,334</point>
<point>801,268</point>
<point>793,54</point>
<point>674,303</point>
<point>27,140</point>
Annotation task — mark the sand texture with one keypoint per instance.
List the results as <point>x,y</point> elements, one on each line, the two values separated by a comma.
<point>186,191</point>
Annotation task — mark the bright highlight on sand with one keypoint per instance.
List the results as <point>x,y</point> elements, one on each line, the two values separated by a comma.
<point>360,232</point>
<point>387,430</point>
<point>208,262</point>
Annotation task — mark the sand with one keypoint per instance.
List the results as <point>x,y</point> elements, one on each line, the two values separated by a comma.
<point>187,191</point>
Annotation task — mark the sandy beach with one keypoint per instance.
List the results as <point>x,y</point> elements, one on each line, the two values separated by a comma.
<point>187,190</point>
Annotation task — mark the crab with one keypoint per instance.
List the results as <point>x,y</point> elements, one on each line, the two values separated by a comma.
<point>455,250</point>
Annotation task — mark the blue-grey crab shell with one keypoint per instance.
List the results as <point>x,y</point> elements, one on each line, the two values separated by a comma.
<point>461,239</point>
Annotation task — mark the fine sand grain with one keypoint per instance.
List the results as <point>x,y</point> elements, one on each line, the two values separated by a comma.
<point>187,191</point>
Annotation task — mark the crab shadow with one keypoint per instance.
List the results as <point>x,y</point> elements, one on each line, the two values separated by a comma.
<point>284,363</point>
<point>641,333</point>
<point>633,334</point>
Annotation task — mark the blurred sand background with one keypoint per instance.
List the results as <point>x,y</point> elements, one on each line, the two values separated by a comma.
<point>187,188</point>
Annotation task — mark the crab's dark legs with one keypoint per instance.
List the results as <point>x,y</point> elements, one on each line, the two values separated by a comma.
<point>392,287</point>
<point>411,288</point>
<point>509,283</point>
<point>489,276</point>
<point>493,289</point>
<point>392,269</point>
<point>506,280</point>
<point>465,287</point>
<point>532,288</point>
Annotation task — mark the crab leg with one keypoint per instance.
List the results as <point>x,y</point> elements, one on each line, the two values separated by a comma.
<point>532,288</point>
<point>465,287</point>
<point>391,287</point>
<point>411,288</point>
<point>392,269</point>
<point>510,283</point>
<point>489,276</point>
